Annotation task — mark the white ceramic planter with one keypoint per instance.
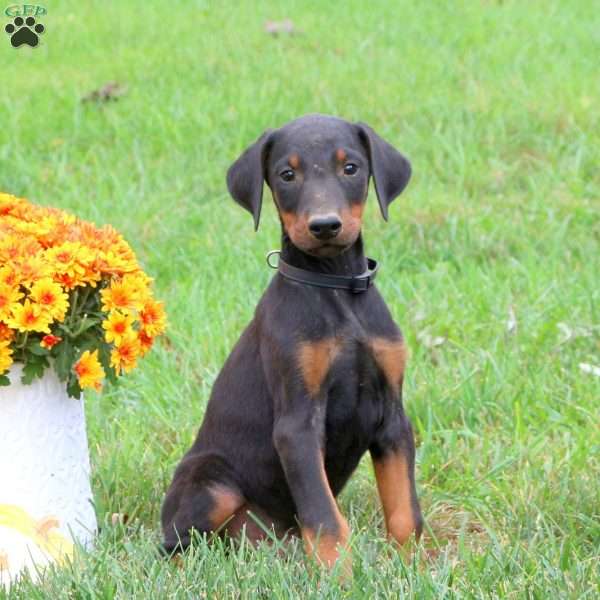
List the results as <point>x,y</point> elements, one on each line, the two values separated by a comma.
<point>45,493</point>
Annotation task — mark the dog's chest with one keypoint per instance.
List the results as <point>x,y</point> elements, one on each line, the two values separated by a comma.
<point>363,381</point>
<point>365,373</point>
<point>367,357</point>
<point>370,343</point>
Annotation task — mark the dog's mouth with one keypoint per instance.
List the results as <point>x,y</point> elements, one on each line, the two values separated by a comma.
<point>331,247</point>
<point>327,249</point>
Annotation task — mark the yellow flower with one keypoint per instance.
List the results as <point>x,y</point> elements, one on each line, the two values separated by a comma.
<point>46,252</point>
<point>29,317</point>
<point>33,268</point>
<point>9,276</point>
<point>64,257</point>
<point>9,296</point>
<point>70,262</point>
<point>117,326</point>
<point>152,317</point>
<point>114,263</point>
<point>5,356</point>
<point>121,295</point>
<point>17,248</point>
<point>89,370</point>
<point>125,353</point>
<point>51,297</point>
<point>8,203</point>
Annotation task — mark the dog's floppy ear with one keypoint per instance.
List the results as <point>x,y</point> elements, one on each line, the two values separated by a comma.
<point>389,169</point>
<point>246,176</point>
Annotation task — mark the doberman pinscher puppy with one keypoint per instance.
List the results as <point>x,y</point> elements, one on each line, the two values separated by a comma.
<point>316,378</point>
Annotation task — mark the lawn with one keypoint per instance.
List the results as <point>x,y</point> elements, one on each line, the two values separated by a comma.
<point>490,263</point>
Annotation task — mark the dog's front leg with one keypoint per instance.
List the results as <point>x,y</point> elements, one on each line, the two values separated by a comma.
<point>298,438</point>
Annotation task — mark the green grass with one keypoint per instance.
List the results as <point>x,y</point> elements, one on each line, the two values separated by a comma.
<point>497,104</point>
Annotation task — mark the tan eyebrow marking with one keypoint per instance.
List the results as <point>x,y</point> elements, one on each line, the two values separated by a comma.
<point>294,161</point>
<point>340,154</point>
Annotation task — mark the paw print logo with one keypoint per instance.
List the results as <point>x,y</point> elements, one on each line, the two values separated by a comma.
<point>24,32</point>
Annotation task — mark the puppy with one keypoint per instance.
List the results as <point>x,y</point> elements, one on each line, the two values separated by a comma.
<point>315,380</point>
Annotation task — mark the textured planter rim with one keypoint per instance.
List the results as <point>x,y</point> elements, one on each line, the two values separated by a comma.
<point>45,497</point>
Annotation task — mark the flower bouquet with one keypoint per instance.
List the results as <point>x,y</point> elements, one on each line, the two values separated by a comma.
<point>75,310</point>
<point>72,298</point>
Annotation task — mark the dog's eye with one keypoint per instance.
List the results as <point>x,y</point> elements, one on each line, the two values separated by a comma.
<point>350,169</point>
<point>287,175</point>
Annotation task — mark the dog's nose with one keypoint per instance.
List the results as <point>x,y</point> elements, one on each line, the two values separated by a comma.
<point>325,228</point>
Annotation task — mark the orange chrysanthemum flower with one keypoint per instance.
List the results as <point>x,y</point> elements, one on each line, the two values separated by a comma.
<point>72,262</point>
<point>64,257</point>
<point>65,280</point>
<point>146,342</point>
<point>89,370</point>
<point>32,268</point>
<point>29,317</point>
<point>51,297</point>
<point>17,249</point>
<point>53,264</point>
<point>49,341</point>
<point>9,296</point>
<point>5,356</point>
<point>8,203</point>
<point>125,354</point>
<point>121,295</point>
<point>9,276</point>
<point>6,333</point>
<point>152,317</point>
<point>117,326</point>
<point>116,263</point>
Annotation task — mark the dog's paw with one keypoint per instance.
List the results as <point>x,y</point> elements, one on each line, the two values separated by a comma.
<point>331,552</point>
<point>24,32</point>
<point>401,527</point>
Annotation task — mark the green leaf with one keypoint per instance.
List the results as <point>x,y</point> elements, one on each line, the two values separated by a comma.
<point>97,315</point>
<point>34,348</point>
<point>73,388</point>
<point>104,356</point>
<point>66,331</point>
<point>85,324</point>
<point>88,342</point>
<point>65,359</point>
<point>4,380</point>
<point>34,368</point>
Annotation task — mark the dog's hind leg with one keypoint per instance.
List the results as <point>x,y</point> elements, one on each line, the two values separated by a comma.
<point>201,498</point>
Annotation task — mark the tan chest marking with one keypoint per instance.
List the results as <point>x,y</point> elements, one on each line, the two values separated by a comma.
<point>390,356</point>
<point>315,360</point>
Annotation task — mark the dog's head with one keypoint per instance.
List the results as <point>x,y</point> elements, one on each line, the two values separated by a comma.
<point>318,169</point>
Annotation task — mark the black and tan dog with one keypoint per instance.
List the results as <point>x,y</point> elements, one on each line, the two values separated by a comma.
<point>316,378</point>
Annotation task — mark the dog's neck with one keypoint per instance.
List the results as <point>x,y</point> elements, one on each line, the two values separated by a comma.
<point>350,262</point>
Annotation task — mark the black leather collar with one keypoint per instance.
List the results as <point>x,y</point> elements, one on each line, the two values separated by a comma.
<point>352,283</point>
